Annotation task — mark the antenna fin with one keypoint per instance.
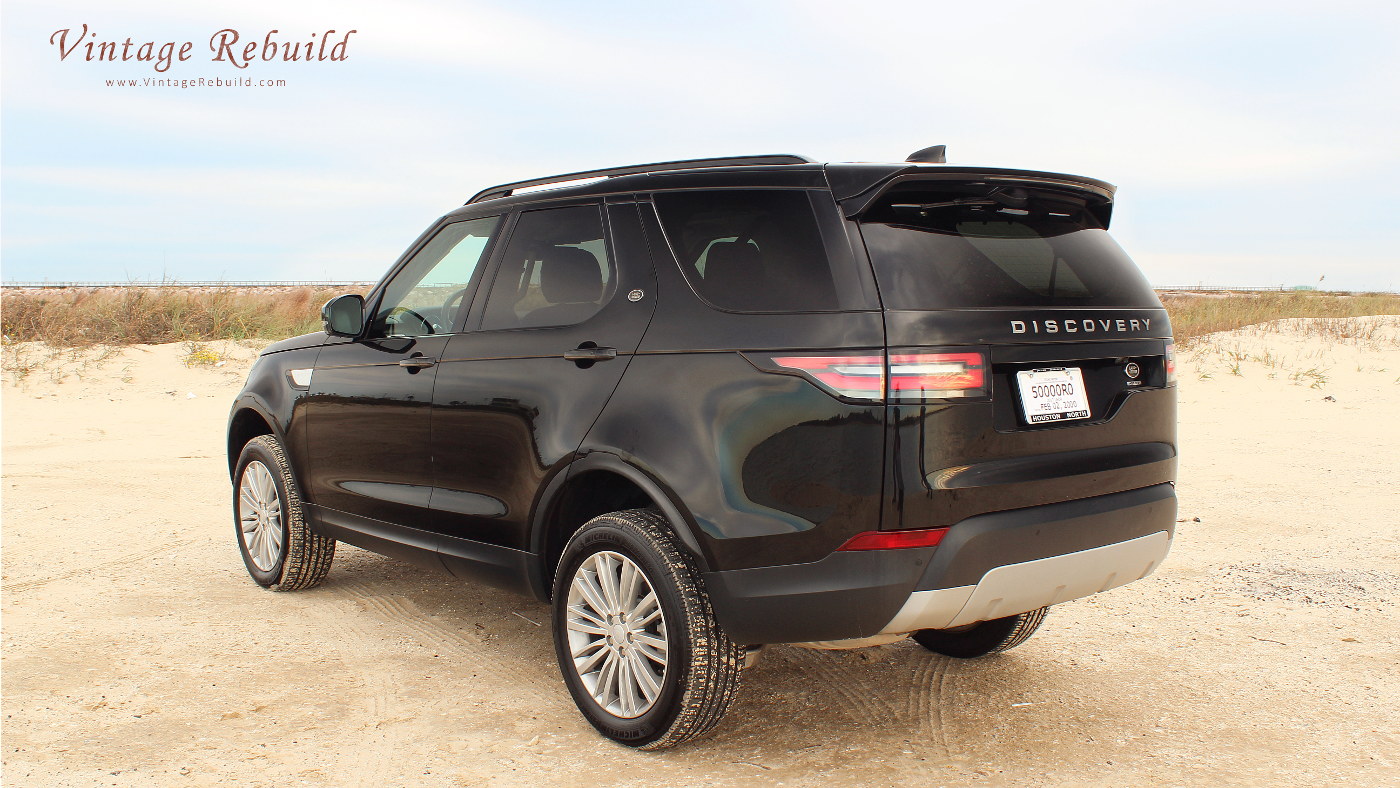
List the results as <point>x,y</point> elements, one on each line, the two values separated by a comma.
<point>934,155</point>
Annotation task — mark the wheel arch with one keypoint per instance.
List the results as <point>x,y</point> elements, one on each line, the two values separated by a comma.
<point>248,420</point>
<point>594,484</point>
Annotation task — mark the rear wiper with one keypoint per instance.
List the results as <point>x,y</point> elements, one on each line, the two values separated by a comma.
<point>949,204</point>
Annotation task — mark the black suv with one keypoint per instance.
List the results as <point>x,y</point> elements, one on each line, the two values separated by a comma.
<point>713,404</point>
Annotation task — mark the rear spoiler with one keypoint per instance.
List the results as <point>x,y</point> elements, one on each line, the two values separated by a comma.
<point>857,186</point>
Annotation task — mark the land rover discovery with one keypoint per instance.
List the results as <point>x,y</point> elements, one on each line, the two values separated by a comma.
<point>708,405</point>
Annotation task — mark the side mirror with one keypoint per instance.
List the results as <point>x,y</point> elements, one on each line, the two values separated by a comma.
<point>344,315</point>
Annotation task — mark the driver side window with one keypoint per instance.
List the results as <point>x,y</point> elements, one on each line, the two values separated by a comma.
<point>427,294</point>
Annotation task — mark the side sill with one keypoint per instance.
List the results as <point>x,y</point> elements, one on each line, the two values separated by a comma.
<point>395,541</point>
<point>501,567</point>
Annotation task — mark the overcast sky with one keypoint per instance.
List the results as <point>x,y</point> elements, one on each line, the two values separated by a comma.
<point>1252,143</point>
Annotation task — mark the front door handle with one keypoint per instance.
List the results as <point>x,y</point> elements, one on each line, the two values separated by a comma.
<point>416,363</point>
<point>591,354</point>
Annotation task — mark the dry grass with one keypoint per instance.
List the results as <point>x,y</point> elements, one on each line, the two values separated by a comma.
<point>53,364</point>
<point>1195,315</point>
<point>83,317</point>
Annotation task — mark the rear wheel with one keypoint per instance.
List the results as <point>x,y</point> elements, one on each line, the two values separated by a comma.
<point>981,639</point>
<point>635,634</point>
<point>280,551</point>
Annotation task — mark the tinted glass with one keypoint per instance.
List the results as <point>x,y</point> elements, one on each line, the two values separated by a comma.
<point>750,250</point>
<point>425,296</point>
<point>987,246</point>
<point>555,270</point>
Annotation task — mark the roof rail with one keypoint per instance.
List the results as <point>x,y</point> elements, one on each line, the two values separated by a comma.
<point>507,189</point>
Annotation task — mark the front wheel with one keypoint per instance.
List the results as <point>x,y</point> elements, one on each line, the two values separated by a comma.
<point>279,548</point>
<point>981,639</point>
<point>636,637</point>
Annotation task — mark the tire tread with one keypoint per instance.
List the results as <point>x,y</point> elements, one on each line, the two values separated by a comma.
<point>987,637</point>
<point>309,554</point>
<point>712,677</point>
<point>1026,625</point>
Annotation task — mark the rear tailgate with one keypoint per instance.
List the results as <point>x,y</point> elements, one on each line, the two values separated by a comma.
<point>1077,400</point>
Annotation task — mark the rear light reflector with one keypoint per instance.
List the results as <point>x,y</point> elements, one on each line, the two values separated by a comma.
<point>1170,362</point>
<point>895,540</point>
<point>897,376</point>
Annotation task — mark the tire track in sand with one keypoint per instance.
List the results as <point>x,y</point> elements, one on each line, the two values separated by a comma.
<point>370,758</point>
<point>861,693</point>
<point>470,652</point>
<point>926,701</point>
<point>389,614</point>
<point>15,586</point>
<point>907,693</point>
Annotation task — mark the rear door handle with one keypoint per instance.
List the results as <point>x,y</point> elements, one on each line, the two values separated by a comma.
<point>591,354</point>
<point>417,362</point>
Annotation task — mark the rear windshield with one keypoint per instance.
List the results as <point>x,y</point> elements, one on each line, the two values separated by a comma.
<point>981,245</point>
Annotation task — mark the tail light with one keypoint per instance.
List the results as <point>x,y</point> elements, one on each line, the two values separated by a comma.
<point>853,377</point>
<point>894,540</point>
<point>898,376</point>
<point>1170,361</point>
<point>937,375</point>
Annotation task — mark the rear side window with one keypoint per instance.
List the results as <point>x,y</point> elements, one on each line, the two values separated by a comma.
<point>757,250</point>
<point>980,245</point>
<point>555,270</point>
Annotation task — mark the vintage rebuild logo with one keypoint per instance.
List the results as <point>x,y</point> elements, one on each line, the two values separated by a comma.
<point>224,46</point>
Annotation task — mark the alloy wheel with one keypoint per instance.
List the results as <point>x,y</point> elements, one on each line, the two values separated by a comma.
<point>260,516</point>
<point>617,634</point>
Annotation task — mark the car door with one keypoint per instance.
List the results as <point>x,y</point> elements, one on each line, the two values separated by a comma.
<point>567,304</point>
<point>367,414</point>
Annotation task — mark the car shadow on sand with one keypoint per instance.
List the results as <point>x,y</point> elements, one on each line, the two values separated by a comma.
<point>798,708</point>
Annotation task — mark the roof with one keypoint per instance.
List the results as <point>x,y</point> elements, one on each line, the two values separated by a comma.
<point>855,185</point>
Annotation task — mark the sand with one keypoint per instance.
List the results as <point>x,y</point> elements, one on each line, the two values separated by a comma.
<point>138,653</point>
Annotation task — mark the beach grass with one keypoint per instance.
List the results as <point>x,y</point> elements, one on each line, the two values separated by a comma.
<point>82,317</point>
<point>1195,315</point>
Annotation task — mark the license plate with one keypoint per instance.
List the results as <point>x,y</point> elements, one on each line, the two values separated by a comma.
<point>1052,395</point>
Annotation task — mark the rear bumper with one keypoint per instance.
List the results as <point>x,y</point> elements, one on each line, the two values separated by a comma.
<point>1018,588</point>
<point>988,566</point>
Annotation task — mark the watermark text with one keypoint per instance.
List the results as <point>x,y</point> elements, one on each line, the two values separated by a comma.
<point>224,46</point>
<point>198,82</point>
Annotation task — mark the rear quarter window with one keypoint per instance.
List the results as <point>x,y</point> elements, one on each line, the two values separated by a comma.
<point>760,250</point>
<point>988,246</point>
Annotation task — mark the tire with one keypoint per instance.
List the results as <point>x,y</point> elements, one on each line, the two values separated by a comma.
<point>979,640</point>
<point>697,681</point>
<point>280,551</point>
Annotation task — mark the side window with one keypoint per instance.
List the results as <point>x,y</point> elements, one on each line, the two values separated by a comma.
<point>555,270</point>
<point>427,293</point>
<point>750,250</point>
